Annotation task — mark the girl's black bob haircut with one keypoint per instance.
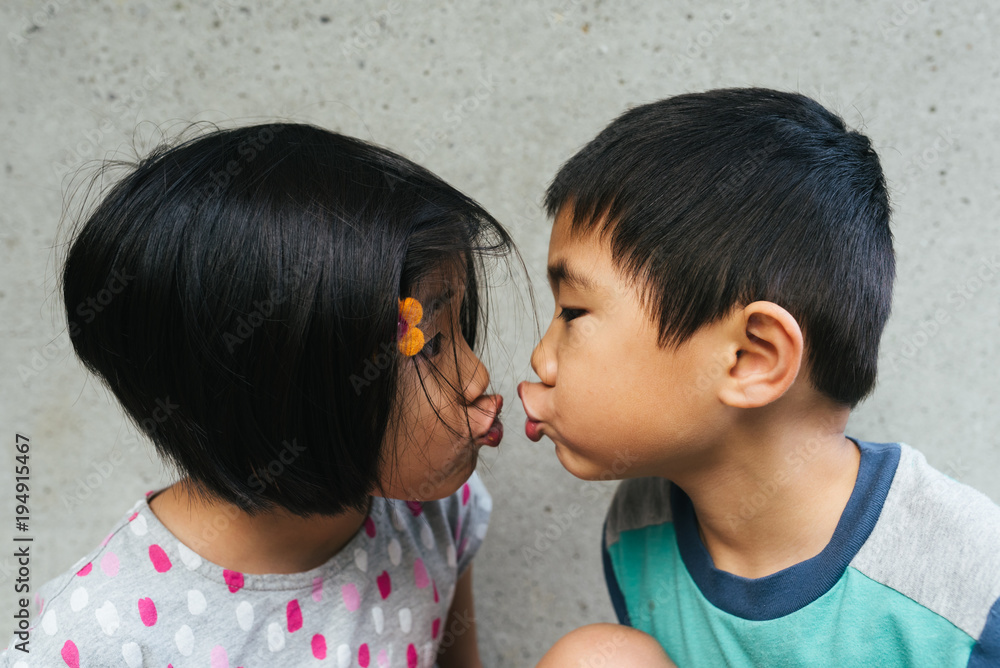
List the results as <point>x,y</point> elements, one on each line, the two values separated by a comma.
<point>718,199</point>
<point>238,293</point>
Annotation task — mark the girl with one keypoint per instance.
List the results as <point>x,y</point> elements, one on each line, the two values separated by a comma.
<point>290,316</point>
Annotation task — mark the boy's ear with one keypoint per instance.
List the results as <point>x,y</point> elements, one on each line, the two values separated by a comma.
<point>768,357</point>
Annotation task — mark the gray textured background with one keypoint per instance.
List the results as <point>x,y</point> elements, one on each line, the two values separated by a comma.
<point>493,98</point>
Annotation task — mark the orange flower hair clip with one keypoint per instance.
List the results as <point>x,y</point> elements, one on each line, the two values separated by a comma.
<point>410,338</point>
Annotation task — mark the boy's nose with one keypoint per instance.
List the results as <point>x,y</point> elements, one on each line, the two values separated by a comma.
<point>543,363</point>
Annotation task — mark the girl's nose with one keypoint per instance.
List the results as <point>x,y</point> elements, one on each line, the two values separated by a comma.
<point>478,382</point>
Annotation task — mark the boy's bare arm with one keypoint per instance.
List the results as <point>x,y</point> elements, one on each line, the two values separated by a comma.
<point>458,642</point>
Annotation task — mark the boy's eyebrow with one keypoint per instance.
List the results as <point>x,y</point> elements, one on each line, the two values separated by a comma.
<point>560,272</point>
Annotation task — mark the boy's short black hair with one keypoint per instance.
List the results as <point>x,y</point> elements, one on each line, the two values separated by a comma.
<point>718,199</point>
<point>238,293</point>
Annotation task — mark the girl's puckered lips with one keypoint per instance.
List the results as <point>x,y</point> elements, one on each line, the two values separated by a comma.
<point>494,434</point>
<point>531,426</point>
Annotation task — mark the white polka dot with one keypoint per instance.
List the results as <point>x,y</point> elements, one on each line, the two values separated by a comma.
<point>244,615</point>
<point>107,617</point>
<point>485,502</point>
<point>379,618</point>
<point>190,559</point>
<point>49,623</point>
<point>427,536</point>
<point>132,654</point>
<point>78,601</point>
<point>428,652</point>
<point>196,602</point>
<point>184,640</point>
<point>138,525</point>
<point>452,561</point>
<point>361,559</point>
<point>395,552</point>
<point>275,638</point>
<point>344,656</point>
<point>405,620</point>
<point>398,521</point>
<point>481,530</point>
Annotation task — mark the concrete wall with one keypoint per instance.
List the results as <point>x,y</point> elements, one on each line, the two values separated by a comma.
<point>493,97</point>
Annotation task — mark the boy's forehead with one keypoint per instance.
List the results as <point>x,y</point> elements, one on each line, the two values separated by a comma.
<point>581,258</point>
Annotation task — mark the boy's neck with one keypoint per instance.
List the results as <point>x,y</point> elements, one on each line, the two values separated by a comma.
<point>272,542</point>
<point>775,492</point>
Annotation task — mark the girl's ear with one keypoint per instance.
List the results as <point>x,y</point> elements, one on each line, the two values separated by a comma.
<point>768,357</point>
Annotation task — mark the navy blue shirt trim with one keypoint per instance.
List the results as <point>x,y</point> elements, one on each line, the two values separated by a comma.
<point>797,586</point>
<point>615,591</point>
<point>986,652</point>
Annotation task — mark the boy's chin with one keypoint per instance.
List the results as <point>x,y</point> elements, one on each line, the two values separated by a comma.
<point>581,467</point>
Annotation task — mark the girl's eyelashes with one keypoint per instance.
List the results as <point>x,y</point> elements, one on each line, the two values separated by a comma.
<point>568,314</point>
<point>432,346</point>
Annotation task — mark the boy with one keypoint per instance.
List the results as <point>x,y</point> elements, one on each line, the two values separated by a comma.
<point>722,268</point>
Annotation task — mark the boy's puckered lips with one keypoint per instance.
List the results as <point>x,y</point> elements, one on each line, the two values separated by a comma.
<point>532,427</point>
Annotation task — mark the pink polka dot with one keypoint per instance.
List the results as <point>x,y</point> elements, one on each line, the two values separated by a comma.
<point>384,584</point>
<point>458,528</point>
<point>161,562</point>
<point>363,657</point>
<point>317,589</point>
<point>147,611</point>
<point>319,646</point>
<point>149,493</point>
<point>383,658</point>
<point>89,566</point>
<point>415,507</point>
<point>351,598</point>
<point>219,657</point>
<point>106,539</point>
<point>109,564</point>
<point>234,579</point>
<point>436,597</point>
<point>465,493</point>
<point>70,654</point>
<point>420,574</point>
<point>369,527</point>
<point>294,615</point>
<point>411,656</point>
<point>461,548</point>
<point>435,627</point>
<point>133,516</point>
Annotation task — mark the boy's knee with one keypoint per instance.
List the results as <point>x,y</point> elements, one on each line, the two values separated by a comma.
<point>605,646</point>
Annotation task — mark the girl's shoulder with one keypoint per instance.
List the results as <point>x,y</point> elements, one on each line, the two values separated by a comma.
<point>143,596</point>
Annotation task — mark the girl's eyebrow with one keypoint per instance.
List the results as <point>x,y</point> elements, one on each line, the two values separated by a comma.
<point>436,301</point>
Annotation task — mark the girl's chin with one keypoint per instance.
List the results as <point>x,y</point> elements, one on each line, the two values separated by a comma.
<point>448,480</point>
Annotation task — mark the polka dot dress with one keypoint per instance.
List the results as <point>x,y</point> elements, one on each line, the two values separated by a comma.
<point>144,599</point>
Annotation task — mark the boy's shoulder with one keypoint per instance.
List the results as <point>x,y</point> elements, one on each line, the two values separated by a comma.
<point>926,536</point>
<point>936,541</point>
